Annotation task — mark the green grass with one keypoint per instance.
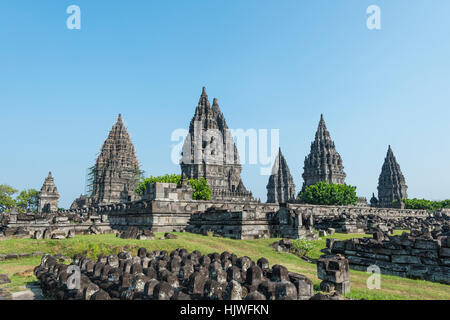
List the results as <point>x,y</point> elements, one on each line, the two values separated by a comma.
<point>392,287</point>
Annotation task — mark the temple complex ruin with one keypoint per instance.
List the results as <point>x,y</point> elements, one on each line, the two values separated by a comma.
<point>323,162</point>
<point>209,152</point>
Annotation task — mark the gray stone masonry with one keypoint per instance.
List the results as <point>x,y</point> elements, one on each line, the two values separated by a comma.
<point>416,256</point>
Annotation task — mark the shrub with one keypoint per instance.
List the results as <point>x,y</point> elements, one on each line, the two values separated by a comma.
<point>167,178</point>
<point>302,247</point>
<point>201,188</point>
<point>324,193</point>
<point>423,204</point>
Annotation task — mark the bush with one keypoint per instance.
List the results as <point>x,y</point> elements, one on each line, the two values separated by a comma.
<point>423,204</point>
<point>201,188</point>
<point>324,193</point>
<point>168,178</point>
<point>301,247</point>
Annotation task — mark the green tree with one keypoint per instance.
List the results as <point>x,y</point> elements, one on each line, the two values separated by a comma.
<point>28,200</point>
<point>423,204</point>
<point>324,193</point>
<point>6,197</point>
<point>202,190</point>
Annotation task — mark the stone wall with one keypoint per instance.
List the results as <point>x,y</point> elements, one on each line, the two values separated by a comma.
<point>54,225</point>
<point>167,208</point>
<point>417,257</point>
<point>250,223</point>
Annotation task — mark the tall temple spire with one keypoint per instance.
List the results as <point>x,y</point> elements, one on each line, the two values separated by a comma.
<point>391,183</point>
<point>48,196</point>
<point>209,150</point>
<point>281,187</point>
<point>116,168</point>
<point>323,163</point>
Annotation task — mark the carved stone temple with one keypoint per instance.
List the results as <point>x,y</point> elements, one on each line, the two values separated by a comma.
<point>323,162</point>
<point>209,152</point>
<point>116,172</point>
<point>48,196</point>
<point>391,183</point>
<point>281,187</point>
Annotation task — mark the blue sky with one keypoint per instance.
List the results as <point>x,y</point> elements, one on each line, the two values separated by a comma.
<point>272,65</point>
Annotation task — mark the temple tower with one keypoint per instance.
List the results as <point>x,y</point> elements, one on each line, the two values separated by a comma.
<point>117,169</point>
<point>209,152</point>
<point>48,196</point>
<point>281,187</point>
<point>391,183</point>
<point>323,163</point>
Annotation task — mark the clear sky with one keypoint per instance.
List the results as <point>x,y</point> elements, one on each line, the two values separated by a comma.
<point>272,65</point>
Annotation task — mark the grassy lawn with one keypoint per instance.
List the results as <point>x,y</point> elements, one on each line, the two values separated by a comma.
<point>20,270</point>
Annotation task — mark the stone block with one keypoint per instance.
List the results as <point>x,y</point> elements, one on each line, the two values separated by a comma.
<point>163,291</point>
<point>403,259</point>
<point>285,290</point>
<point>333,269</point>
<point>343,288</point>
<point>233,291</point>
<point>150,286</point>
<point>4,279</point>
<point>327,286</point>
<point>304,286</point>
<point>279,273</point>
<point>426,244</point>
<point>444,252</point>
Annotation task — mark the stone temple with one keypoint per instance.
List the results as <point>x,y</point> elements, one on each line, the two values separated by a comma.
<point>281,187</point>
<point>209,152</point>
<point>391,183</point>
<point>48,196</point>
<point>116,173</point>
<point>323,162</point>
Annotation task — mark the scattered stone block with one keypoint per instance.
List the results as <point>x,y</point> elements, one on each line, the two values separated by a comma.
<point>4,279</point>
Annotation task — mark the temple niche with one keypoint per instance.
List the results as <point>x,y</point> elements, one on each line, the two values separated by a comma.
<point>48,196</point>
<point>209,152</point>
<point>391,183</point>
<point>323,162</point>
<point>281,187</point>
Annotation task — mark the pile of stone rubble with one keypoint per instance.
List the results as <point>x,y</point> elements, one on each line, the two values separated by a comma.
<point>178,275</point>
<point>416,255</point>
